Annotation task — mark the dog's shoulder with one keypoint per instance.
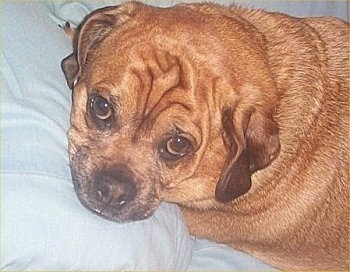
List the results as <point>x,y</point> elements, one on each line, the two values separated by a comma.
<point>324,38</point>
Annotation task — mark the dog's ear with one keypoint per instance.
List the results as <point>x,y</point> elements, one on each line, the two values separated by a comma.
<point>262,140</point>
<point>70,69</point>
<point>92,32</point>
<point>253,143</point>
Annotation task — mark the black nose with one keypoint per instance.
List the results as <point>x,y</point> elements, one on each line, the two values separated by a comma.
<point>115,187</point>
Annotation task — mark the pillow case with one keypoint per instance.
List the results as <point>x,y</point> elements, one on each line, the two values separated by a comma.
<point>43,225</point>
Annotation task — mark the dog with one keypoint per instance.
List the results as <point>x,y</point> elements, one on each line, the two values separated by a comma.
<point>240,116</point>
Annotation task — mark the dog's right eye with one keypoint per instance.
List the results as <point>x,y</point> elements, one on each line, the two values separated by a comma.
<point>100,110</point>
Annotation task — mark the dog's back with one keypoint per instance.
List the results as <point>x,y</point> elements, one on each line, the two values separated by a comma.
<point>308,184</point>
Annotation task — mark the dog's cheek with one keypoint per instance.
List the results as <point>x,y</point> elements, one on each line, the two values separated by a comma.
<point>83,165</point>
<point>193,190</point>
<point>75,144</point>
<point>80,170</point>
<point>79,107</point>
<point>195,181</point>
<point>72,145</point>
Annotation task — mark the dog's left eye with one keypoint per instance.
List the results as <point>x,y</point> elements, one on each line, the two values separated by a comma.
<point>176,147</point>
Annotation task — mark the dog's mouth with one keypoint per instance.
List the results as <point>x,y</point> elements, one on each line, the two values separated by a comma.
<point>116,207</point>
<point>115,194</point>
<point>118,212</point>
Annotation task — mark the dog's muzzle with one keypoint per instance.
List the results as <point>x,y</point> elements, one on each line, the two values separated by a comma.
<point>115,188</point>
<point>114,194</point>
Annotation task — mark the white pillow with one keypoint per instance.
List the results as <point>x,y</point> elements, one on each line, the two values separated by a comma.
<point>43,225</point>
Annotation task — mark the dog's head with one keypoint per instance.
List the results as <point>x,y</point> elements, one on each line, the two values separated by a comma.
<point>168,104</point>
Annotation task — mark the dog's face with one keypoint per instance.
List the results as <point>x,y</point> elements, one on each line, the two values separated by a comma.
<point>168,104</point>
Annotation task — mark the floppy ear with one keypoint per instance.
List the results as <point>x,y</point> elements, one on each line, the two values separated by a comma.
<point>70,69</point>
<point>262,139</point>
<point>253,143</point>
<point>93,31</point>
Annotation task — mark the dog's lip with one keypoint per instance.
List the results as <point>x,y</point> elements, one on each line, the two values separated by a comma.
<point>105,213</point>
<point>109,216</point>
<point>167,186</point>
<point>115,215</point>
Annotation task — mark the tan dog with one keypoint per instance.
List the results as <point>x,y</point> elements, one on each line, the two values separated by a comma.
<point>186,104</point>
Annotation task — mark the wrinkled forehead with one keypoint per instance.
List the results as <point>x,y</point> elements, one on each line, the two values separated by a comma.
<point>182,32</point>
<point>150,81</point>
<point>159,49</point>
<point>113,63</point>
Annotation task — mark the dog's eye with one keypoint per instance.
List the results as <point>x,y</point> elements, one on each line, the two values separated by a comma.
<point>100,108</point>
<point>176,147</point>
